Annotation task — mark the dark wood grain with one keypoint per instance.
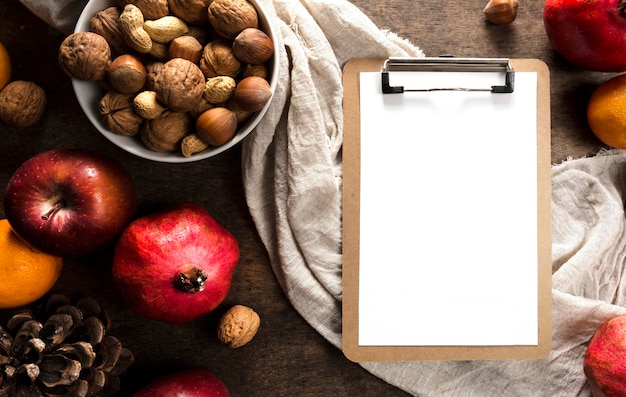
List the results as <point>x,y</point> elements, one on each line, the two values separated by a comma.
<point>287,357</point>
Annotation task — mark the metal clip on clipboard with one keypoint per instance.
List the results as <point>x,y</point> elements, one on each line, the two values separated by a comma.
<point>449,64</point>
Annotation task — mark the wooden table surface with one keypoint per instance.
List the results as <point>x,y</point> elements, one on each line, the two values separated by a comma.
<point>287,357</point>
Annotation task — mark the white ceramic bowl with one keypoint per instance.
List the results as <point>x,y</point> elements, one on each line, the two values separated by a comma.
<point>89,94</point>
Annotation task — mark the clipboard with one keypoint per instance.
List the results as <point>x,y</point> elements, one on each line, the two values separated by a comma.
<point>360,234</point>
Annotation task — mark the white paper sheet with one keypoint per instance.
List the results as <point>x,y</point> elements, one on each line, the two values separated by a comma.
<point>448,227</point>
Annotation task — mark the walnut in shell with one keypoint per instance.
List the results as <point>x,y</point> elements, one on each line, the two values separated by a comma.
<point>118,114</point>
<point>229,17</point>
<point>106,23</point>
<point>218,59</point>
<point>166,132</point>
<point>238,326</point>
<point>22,103</point>
<point>180,85</point>
<point>85,56</point>
<point>191,11</point>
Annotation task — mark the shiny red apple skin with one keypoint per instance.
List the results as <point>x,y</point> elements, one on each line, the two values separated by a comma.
<point>588,34</point>
<point>605,359</point>
<point>98,196</point>
<point>185,383</point>
<point>153,251</point>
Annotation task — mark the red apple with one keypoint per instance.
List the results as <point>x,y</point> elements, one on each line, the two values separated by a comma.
<point>185,383</point>
<point>70,202</point>
<point>175,264</point>
<point>605,359</point>
<point>588,34</point>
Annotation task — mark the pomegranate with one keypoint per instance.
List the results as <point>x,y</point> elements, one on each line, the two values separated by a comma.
<point>175,264</point>
<point>185,383</point>
<point>605,363</point>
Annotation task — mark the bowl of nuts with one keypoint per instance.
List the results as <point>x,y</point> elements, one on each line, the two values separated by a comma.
<point>172,80</point>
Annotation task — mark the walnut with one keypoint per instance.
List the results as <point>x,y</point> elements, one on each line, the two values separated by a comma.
<point>151,9</point>
<point>106,23</point>
<point>229,17</point>
<point>118,114</point>
<point>22,103</point>
<point>191,11</point>
<point>153,70</point>
<point>256,70</point>
<point>179,85</point>
<point>238,326</point>
<point>218,59</point>
<point>85,56</point>
<point>165,133</point>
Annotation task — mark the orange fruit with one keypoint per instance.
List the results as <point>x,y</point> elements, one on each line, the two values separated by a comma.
<point>5,67</point>
<point>606,112</point>
<point>26,274</point>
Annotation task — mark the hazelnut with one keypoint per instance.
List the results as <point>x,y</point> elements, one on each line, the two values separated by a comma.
<point>252,93</point>
<point>22,103</point>
<point>151,9</point>
<point>218,60</point>
<point>238,326</point>
<point>119,115</point>
<point>127,74</point>
<point>186,47</point>
<point>193,12</point>
<point>85,56</point>
<point>216,126</point>
<point>229,17</point>
<point>166,132</point>
<point>106,23</point>
<point>501,12</point>
<point>179,85</point>
<point>253,46</point>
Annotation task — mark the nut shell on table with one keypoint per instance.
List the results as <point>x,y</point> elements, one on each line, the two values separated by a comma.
<point>253,46</point>
<point>238,326</point>
<point>126,74</point>
<point>193,12</point>
<point>218,59</point>
<point>106,23</point>
<point>22,103</point>
<point>229,17</point>
<point>85,56</point>
<point>216,126</point>
<point>179,85</point>
<point>501,12</point>
<point>166,132</point>
<point>118,114</point>
<point>252,93</point>
<point>151,9</point>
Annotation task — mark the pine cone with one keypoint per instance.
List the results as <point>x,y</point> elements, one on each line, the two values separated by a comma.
<point>68,354</point>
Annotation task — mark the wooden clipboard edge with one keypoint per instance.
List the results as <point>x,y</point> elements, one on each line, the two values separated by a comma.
<point>351,233</point>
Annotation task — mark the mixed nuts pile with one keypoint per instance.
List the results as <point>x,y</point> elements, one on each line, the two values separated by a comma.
<point>181,75</point>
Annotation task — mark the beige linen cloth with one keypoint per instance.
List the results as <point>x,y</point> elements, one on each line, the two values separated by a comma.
<point>292,177</point>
